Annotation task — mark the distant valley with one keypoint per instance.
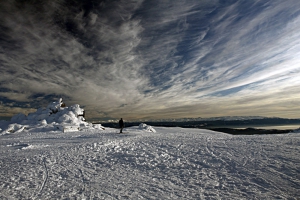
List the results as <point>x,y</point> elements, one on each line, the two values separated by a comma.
<point>222,124</point>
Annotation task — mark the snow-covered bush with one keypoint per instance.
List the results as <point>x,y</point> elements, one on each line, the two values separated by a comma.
<point>12,128</point>
<point>43,122</point>
<point>98,126</point>
<point>55,106</point>
<point>147,128</point>
<point>55,115</point>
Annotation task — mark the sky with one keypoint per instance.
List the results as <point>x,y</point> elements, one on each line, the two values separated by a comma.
<point>151,59</point>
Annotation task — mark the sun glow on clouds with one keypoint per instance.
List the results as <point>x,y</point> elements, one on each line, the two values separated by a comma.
<point>153,59</point>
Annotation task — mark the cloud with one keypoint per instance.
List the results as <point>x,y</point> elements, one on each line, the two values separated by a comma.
<point>233,61</point>
<point>233,50</point>
<point>151,59</point>
<point>85,55</point>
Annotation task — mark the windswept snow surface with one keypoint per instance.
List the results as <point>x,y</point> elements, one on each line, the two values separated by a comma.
<point>172,163</point>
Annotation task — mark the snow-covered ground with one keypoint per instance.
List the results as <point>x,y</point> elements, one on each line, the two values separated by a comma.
<point>171,163</point>
<point>54,154</point>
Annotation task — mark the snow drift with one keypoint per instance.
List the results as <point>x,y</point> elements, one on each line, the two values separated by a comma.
<point>147,128</point>
<point>56,116</point>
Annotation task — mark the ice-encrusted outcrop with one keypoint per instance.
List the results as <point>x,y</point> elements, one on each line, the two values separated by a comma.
<point>55,116</point>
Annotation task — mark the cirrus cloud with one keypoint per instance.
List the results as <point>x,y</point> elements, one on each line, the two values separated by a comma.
<point>152,59</point>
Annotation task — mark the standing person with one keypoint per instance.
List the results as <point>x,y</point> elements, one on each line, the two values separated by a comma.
<point>121,125</point>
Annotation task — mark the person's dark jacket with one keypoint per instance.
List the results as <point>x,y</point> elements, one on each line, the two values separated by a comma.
<point>121,123</point>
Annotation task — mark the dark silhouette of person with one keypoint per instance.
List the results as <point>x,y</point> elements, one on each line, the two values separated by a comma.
<point>121,125</point>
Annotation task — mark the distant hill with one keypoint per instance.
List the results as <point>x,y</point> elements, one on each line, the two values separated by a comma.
<point>225,118</point>
<point>218,122</point>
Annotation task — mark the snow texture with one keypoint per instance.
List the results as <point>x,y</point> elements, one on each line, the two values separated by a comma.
<point>54,154</point>
<point>171,163</point>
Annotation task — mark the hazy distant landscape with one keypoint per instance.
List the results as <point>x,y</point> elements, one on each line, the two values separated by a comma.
<point>232,125</point>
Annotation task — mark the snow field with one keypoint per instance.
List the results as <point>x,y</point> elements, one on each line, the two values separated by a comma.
<point>173,163</point>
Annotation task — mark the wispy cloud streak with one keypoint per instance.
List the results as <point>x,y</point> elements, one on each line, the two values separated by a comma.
<point>153,59</point>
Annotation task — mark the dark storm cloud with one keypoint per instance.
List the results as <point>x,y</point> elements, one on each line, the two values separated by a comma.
<point>151,58</point>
